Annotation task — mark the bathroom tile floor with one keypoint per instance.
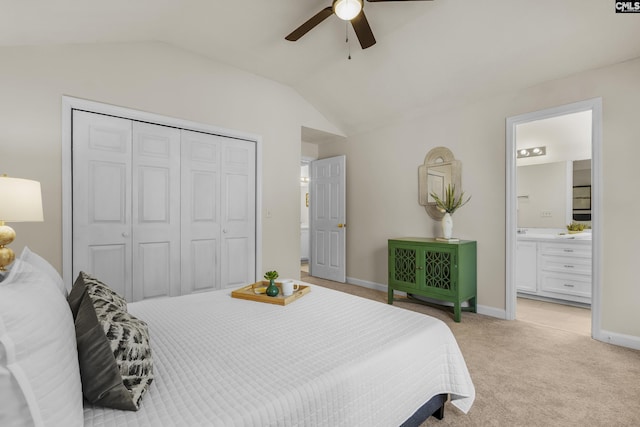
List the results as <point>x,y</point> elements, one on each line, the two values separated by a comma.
<point>559,316</point>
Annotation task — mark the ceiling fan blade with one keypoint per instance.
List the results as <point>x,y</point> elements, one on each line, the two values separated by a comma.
<point>363,30</point>
<point>310,24</point>
<point>373,1</point>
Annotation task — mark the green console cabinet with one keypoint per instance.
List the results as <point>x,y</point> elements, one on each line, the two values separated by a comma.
<point>445,271</point>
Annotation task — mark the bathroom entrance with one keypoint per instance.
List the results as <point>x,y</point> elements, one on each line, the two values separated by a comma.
<point>552,223</point>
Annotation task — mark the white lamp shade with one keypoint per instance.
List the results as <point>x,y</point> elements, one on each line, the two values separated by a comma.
<point>20,200</point>
<point>347,9</point>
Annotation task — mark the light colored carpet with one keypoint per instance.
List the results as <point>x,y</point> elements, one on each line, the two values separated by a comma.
<point>527,374</point>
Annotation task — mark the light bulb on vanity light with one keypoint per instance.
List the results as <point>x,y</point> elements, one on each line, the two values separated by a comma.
<point>532,152</point>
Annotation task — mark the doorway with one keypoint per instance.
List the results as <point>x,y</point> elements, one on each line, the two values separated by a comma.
<point>305,245</point>
<point>327,218</point>
<point>545,216</point>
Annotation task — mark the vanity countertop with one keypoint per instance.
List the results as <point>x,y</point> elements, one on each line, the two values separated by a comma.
<point>584,238</point>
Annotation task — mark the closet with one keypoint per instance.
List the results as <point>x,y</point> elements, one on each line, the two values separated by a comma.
<point>161,211</point>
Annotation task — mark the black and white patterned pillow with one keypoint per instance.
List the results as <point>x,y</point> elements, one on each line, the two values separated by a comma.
<point>116,366</point>
<point>100,291</point>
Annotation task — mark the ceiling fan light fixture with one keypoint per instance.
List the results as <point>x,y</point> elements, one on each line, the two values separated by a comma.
<point>347,9</point>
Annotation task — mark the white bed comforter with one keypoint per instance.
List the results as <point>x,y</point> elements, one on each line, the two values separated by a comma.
<point>327,359</point>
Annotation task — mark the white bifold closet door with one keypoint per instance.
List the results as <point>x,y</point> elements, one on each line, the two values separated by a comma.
<point>218,212</point>
<point>161,211</point>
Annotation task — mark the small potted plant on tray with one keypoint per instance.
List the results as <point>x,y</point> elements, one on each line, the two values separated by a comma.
<point>272,289</point>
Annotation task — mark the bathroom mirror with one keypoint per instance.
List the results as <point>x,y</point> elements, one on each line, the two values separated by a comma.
<point>439,170</point>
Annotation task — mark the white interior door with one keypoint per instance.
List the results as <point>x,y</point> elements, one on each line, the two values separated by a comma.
<point>200,212</point>
<point>218,212</point>
<point>161,211</point>
<point>101,199</point>
<point>238,201</point>
<point>327,219</point>
<point>156,211</point>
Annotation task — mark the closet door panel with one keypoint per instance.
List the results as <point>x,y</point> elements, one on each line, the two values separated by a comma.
<point>154,267</point>
<point>156,211</point>
<point>203,264</point>
<point>101,151</point>
<point>200,224</point>
<point>236,270</point>
<point>238,208</point>
<point>109,264</point>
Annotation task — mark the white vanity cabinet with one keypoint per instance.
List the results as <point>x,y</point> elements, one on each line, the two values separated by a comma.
<point>565,270</point>
<point>554,268</point>
<point>526,266</point>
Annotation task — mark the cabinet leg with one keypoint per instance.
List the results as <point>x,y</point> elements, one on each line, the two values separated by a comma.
<point>390,295</point>
<point>472,304</point>
<point>456,312</point>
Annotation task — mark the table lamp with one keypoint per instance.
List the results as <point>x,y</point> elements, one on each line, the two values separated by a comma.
<point>20,201</point>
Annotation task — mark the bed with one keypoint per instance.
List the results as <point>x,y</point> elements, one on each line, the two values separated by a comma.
<point>327,359</point>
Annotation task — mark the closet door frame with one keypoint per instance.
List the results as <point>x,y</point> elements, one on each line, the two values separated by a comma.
<point>70,103</point>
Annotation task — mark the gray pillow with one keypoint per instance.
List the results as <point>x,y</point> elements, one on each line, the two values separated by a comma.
<point>114,354</point>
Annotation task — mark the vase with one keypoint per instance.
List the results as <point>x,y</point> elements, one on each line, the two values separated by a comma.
<point>272,289</point>
<point>447,226</point>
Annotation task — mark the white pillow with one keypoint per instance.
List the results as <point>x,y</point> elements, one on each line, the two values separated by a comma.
<point>41,264</point>
<point>39,373</point>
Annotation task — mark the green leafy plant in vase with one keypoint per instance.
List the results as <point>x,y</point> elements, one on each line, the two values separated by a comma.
<point>449,205</point>
<point>575,227</point>
<point>272,289</point>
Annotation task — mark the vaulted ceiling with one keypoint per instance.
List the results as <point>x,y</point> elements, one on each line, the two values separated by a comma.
<point>429,54</point>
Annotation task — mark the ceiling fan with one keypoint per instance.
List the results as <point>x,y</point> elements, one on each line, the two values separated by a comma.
<point>347,10</point>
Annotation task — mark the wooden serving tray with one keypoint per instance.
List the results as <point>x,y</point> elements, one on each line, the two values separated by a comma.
<point>246,292</point>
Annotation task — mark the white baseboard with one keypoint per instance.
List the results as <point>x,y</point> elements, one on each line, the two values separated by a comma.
<point>482,309</point>
<point>367,284</point>
<point>621,340</point>
<point>500,313</point>
<point>614,338</point>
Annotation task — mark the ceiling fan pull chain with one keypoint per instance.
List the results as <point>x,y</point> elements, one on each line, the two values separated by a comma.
<point>347,39</point>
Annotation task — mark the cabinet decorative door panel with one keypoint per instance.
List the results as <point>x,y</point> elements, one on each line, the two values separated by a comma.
<point>405,266</point>
<point>439,265</point>
<point>102,199</point>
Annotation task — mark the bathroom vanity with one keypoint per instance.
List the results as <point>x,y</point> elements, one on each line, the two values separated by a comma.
<point>554,266</point>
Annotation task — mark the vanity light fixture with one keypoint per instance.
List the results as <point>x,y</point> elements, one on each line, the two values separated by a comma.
<point>532,152</point>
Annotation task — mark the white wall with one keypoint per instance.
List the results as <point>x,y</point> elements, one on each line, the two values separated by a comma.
<point>382,184</point>
<point>542,190</point>
<point>156,78</point>
<point>309,150</point>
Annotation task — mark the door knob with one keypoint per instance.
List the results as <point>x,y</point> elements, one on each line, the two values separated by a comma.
<point>224,230</point>
<point>342,225</point>
<point>125,234</point>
